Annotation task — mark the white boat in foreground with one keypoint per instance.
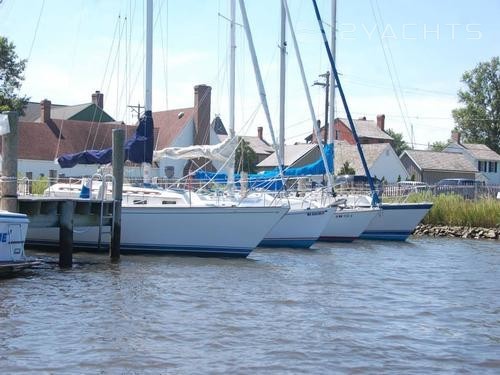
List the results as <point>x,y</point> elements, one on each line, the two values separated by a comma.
<point>171,221</point>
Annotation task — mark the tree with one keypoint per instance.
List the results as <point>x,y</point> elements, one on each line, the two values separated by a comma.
<point>479,119</point>
<point>347,169</point>
<point>245,158</point>
<point>11,77</point>
<point>438,146</point>
<point>398,143</point>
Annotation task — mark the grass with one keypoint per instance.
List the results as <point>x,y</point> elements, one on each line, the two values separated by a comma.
<point>38,187</point>
<point>454,210</point>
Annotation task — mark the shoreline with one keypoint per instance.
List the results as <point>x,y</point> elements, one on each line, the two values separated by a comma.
<point>452,231</point>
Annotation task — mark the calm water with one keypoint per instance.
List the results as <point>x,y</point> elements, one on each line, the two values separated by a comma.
<point>426,306</point>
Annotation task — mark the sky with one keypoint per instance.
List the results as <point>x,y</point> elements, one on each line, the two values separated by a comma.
<point>401,58</point>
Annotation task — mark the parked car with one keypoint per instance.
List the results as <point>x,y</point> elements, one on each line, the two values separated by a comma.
<point>357,183</point>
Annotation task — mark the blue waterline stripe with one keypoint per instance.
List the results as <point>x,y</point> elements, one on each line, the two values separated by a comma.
<point>288,242</point>
<point>417,206</point>
<point>154,249</point>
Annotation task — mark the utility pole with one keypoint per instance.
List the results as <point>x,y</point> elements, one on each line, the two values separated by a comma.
<point>136,109</point>
<point>326,85</point>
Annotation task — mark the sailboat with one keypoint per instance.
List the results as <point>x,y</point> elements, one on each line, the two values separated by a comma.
<point>395,221</point>
<point>166,221</point>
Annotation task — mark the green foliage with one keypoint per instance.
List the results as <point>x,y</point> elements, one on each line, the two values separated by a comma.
<point>453,209</point>
<point>399,178</point>
<point>398,143</point>
<point>347,169</point>
<point>38,186</point>
<point>11,77</point>
<point>438,146</point>
<point>245,158</point>
<point>479,119</point>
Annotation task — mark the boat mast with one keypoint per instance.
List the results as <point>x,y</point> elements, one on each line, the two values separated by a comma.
<point>282,81</point>
<point>232,63</point>
<point>375,198</point>
<point>331,123</point>
<point>260,84</point>
<point>146,167</point>
<point>308,95</point>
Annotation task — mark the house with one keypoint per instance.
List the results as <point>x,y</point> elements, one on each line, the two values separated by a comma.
<point>381,159</point>
<point>93,111</point>
<point>432,166</point>
<point>368,131</point>
<point>486,161</point>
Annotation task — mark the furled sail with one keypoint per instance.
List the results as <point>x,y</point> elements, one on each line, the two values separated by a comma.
<point>138,149</point>
<point>221,151</point>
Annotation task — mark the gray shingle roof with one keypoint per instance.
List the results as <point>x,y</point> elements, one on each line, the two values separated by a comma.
<point>481,152</point>
<point>440,161</point>
<point>292,154</point>
<point>347,152</point>
<point>368,129</point>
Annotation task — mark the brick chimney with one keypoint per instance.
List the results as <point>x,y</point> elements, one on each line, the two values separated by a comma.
<point>259,132</point>
<point>381,122</point>
<point>202,114</point>
<point>98,99</point>
<point>45,110</point>
<point>455,136</point>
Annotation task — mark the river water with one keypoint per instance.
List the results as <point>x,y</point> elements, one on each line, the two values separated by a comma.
<point>425,306</point>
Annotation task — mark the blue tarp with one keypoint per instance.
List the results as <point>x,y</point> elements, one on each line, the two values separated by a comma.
<point>138,149</point>
<point>270,179</point>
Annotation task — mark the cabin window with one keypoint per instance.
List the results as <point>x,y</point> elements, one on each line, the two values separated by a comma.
<point>168,202</point>
<point>140,201</point>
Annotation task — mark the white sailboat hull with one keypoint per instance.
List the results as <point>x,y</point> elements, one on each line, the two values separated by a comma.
<point>396,221</point>
<point>299,228</point>
<point>347,224</point>
<point>202,231</point>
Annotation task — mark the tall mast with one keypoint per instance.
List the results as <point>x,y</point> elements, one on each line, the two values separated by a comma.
<point>260,84</point>
<point>232,63</point>
<point>308,95</point>
<point>282,82</point>
<point>375,198</point>
<point>149,55</point>
<point>331,123</point>
<point>146,167</point>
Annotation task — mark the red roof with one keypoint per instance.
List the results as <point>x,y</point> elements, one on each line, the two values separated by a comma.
<point>41,141</point>
<point>170,126</point>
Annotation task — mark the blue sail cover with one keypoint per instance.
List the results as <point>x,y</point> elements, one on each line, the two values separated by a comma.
<point>138,149</point>
<point>270,179</point>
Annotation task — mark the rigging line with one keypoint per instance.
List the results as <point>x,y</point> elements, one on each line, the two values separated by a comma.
<point>36,29</point>
<point>412,136</point>
<point>388,65</point>
<point>104,76</point>
<point>72,67</point>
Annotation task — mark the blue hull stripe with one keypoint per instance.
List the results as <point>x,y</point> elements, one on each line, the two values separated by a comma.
<point>144,249</point>
<point>424,206</point>
<point>385,235</point>
<point>302,243</point>
<point>336,239</point>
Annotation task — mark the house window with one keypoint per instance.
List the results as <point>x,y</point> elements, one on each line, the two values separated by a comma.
<point>336,134</point>
<point>482,166</point>
<point>493,166</point>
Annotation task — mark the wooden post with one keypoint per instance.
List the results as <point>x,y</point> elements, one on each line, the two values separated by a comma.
<point>66,234</point>
<point>8,180</point>
<point>118,161</point>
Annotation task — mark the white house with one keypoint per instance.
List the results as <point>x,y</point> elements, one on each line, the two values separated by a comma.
<point>481,156</point>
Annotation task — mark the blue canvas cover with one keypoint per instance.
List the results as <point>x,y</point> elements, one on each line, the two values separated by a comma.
<point>138,149</point>
<point>270,179</point>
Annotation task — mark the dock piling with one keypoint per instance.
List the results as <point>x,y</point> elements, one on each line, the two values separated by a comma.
<point>118,162</point>
<point>8,180</point>
<point>66,234</point>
